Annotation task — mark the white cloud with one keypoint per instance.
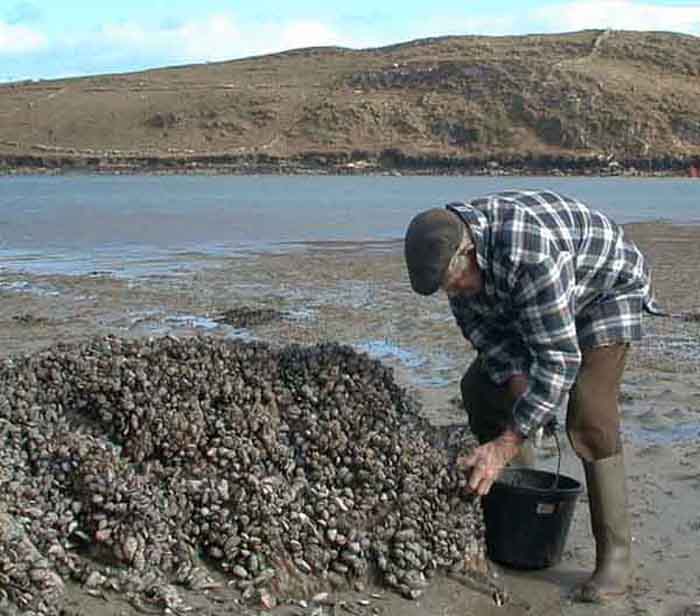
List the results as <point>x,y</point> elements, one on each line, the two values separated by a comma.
<point>129,46</point>
<point>218,37</point>
<point>619,15</point>
<point>206,40</point>
<point>298,34</point>
<point>20,39</point>
<point>558,16</point>
<point>490,25</point>
<point>215,38</point>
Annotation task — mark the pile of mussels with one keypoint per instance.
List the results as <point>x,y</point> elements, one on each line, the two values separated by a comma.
<point>144,466</point>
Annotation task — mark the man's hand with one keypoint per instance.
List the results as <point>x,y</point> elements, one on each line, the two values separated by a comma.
<point>488,461</point>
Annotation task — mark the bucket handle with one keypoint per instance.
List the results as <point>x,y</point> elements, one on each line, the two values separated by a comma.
<point>555,485</point>
<point>549,428</point>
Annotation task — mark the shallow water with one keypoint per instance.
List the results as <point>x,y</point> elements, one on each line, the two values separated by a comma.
<point>425,369</point>
<point>26,286</point>
<point>144,225</point>
<point>673,347</point>
<point>664,435</point>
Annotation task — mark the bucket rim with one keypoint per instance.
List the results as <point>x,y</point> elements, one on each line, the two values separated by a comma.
<point>575,489</point>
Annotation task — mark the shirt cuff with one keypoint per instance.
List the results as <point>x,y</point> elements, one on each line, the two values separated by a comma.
<point>526,417</point>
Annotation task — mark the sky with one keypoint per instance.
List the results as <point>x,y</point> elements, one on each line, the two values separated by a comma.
<point>46,39</point>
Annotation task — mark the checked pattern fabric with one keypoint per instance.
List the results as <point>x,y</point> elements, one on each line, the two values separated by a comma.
<point>558,277</point>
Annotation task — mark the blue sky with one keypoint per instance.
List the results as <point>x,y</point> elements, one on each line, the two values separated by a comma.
<point>42,39</point>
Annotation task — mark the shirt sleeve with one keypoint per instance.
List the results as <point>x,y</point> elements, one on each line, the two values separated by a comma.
<point>542,291</point>
<point>503,354</point>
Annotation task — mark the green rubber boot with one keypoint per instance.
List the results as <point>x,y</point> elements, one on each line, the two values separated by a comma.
<point>607,501</point>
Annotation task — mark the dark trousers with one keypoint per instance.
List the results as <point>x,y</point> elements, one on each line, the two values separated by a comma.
<point>592,418</point>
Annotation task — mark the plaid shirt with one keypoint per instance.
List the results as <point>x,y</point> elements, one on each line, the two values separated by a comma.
<point>558,277</point>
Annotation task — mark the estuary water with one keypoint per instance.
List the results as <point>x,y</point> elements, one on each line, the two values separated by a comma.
<point>154,225</point>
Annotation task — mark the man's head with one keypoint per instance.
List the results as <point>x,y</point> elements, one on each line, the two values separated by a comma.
<point>439,254</point>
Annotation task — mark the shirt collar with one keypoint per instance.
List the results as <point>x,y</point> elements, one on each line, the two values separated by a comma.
<point>478,227</point>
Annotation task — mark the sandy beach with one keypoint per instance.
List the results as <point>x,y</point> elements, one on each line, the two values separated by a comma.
<point>358,294</point>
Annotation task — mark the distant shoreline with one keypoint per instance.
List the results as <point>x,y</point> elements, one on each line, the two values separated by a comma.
<point>389,162</point>
<point>314,172</point>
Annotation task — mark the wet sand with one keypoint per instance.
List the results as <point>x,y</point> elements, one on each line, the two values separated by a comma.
<point>358,294</point>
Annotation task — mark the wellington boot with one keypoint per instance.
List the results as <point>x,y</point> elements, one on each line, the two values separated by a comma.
<point>607,501</point>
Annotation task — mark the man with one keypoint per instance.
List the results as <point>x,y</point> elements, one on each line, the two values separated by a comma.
<point>550,293</point>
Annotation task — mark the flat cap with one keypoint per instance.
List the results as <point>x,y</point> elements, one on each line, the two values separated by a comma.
<point>432,238</point>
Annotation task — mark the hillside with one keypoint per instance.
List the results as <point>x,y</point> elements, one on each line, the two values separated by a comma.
<point>584,96</point>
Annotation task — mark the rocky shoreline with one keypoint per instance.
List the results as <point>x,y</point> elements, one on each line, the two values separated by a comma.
<point>387,162</point>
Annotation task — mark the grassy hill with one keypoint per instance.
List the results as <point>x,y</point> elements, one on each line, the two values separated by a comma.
<point>583,95</point>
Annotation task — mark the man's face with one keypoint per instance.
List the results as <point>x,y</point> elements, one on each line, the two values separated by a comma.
<point>466,280</point>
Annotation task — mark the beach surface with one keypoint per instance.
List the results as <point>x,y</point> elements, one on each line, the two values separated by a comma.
<point>358,294</point>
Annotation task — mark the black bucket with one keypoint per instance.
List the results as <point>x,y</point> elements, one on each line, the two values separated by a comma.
<point>527,514</point>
